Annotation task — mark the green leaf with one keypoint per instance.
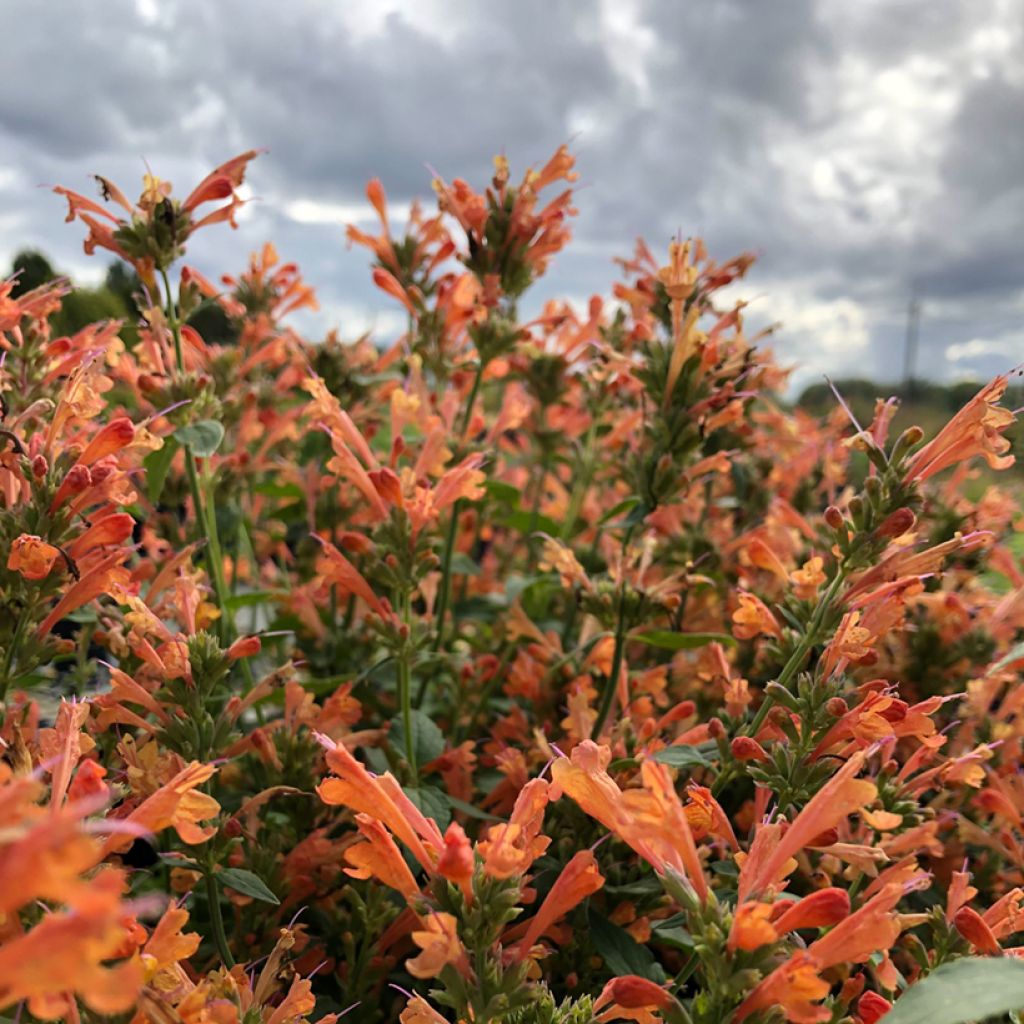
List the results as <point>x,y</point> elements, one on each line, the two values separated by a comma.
<point>157,465</point>
<point>248,599</point>
<point>431,802</point>
<point>683,756</point>
<point>623,506</point>
<point>203,437</point>
<point>427,738</point>
<point>621,953</point>
<point>971,989</point>
<point>470,810</point>
<point>525,522</point>
<point>247,883</point>
<point>464,565</point>
<point>503,493</point>
<point>668,640</point>
<point>1015,653</point>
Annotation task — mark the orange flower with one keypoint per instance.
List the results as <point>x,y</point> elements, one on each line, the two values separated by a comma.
<point>379,857</point>
<point>972,926</point>
<point>175,805</point>
<point>770,860</point>
<point>511,848</point>
<point>820,909</point>
<point>379,797</point>
<point>579,879</point>
<point>808,578</point>
<point>753,618</point>
<point>32,556</point>
<point>651,819</point>
<point>795,986</point>
<point>456,861</point>
<point>977,429</point>
<point>751,927</point>
<point>337,570</point>
<point>631,997</point>
<point>67,954</point>
<point>440,945</point>
<point>105,577</point>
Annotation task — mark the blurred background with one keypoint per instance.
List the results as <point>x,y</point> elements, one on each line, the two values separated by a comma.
<point>871,153</point>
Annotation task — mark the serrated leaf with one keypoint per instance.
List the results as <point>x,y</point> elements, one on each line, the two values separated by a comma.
<point>433,803</point>
<point>203,437</point>
<point>683,756</point>
<point>970,989</point>
<point>668,640</point>
<point>427,738</point>
<point>621,953</point>
<point>157,464</point>
<point>247,883</point>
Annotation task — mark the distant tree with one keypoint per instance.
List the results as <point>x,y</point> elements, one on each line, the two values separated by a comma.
<point>32,269</point>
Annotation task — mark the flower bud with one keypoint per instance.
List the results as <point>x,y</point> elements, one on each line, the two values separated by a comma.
<point>244,647</point>
<point>39,467</point>
<point>872,1007</point>
<point>836,707</point>
<point>897,523</point>
<point>834,518</point>
<point>745,748</point>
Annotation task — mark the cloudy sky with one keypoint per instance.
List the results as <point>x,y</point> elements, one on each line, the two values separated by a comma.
<point>868,151</point>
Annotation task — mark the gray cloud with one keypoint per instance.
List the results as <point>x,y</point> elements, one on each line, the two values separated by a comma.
<point>867,151</point>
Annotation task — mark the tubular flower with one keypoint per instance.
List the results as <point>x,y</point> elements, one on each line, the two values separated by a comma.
<point>175,805</point>
<point>579,879</point>
<point>631,997</point>
<point>650,819</point>
<point>977,429</point>
<point>382,798</point>
<point>770,861</point>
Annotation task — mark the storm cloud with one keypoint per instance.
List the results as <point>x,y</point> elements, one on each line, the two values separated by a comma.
<point>868,152</point>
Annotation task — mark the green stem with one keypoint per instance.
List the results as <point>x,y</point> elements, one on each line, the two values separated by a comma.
<point>608,697</point>
<point>19,629</point>
<point>405,689</point>
<point>220,937</point>
<point>453,525</point>
<point>205,517</point>
<point>796,659</point>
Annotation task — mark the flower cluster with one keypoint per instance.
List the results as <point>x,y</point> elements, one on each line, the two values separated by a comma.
<point>527,670</point>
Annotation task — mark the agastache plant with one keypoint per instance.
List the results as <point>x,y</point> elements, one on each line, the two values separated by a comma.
<point>537,665</point>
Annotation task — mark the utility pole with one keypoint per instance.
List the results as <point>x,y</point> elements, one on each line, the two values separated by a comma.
<point>910,345</point>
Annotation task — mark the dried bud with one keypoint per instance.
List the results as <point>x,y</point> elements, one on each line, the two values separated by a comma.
<point>233,828</point>
<point>716,730</point>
